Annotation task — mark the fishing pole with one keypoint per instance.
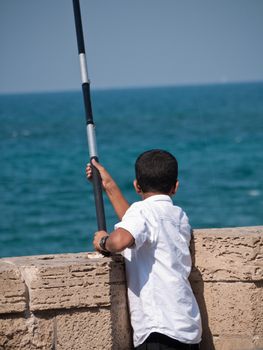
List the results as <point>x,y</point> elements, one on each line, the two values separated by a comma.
<point>96,179</point>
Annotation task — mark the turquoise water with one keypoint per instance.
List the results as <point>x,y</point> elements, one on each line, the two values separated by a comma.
<point>46,203</point>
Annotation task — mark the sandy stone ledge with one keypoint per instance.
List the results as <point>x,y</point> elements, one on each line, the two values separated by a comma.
<point>69,301</point>
<point>78,301</point>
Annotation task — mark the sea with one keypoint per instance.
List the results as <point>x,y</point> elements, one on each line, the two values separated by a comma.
<point>46,202</point>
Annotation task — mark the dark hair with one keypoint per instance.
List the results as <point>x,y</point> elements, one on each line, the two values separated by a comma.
<point>156,171</point>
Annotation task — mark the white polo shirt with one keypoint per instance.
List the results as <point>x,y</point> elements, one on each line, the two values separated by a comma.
<point>157,269</point>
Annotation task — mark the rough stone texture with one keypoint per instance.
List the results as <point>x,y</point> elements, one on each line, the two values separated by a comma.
<point>121,328</point>
<point>78,301</point>
<point>12,289</point>
<point>230,308</point>
<point>65,301</point>
<point>229,254</point>
<point>82,330</point>
<point>22,333</point>
<point>227,279</point>
<point>121,334</point>
<point>238,342</point>
<point>65,281</point>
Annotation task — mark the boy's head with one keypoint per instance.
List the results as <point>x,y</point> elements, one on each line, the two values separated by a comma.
<point>156,171</point>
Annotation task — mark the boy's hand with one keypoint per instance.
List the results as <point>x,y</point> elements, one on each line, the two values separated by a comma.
<point>96,241</point>
<point>106,179</point>
<point>117,199</point>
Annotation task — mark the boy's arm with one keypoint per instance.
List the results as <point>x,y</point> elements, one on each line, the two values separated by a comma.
<point>116,242</point>
<point>117,199</point>
<point>114,194</point>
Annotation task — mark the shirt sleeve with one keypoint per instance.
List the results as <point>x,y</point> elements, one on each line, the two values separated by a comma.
<point>134,222</point>
<point>185,227</point>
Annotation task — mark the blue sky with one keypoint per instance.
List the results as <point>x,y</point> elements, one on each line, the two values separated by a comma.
<point>130,43</point>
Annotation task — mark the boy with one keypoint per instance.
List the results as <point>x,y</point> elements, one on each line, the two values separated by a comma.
<point>154,236</point>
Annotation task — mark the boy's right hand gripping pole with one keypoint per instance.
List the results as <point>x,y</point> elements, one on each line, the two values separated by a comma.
<point>97,186</point>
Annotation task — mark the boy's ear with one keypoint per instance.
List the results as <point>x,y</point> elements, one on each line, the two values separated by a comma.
<point>137,187</point>
<point>175,188</point>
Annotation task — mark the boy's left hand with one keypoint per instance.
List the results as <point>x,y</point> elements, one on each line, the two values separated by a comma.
<point>97,237</point>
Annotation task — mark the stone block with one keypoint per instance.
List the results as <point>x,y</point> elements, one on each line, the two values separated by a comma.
<point>32,333</point>
<point>117,270</point>
<point>84,329</point>
<point>12,289</point>
<point>120,321</point>
<point>66,281</point>
<point>232,308</point>
<point>237,342</point>
<point>257,308</point>
<point>229,309</point>
<point>228,254</point>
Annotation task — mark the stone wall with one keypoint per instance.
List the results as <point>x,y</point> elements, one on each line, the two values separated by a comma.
<point>78,301</point>
<point>227,279</point>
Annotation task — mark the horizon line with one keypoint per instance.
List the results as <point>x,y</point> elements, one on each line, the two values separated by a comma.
<point>133,87</point>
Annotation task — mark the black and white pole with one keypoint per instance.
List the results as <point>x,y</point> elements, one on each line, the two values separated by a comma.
<point>97,187</point>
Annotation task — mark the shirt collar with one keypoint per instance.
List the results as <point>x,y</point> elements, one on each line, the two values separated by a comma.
<point>158,198</point>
